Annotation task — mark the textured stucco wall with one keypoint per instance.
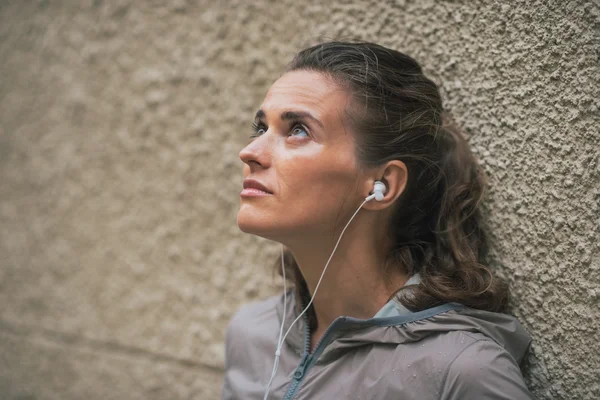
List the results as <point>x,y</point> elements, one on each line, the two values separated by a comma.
<point>120,127</point>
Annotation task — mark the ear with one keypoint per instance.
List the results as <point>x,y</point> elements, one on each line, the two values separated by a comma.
<point>395,176</point>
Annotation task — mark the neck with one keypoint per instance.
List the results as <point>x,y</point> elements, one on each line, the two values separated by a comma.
<point>354,284</point>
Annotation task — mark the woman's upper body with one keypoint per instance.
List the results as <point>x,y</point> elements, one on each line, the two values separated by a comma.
<point>445,352</point>
<point>344,118</point>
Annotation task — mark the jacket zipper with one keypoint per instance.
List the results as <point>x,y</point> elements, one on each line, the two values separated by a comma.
<point>308,359</point>
<point>301,369</point>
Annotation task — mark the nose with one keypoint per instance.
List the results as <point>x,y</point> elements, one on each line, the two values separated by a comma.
<point>257,152</point>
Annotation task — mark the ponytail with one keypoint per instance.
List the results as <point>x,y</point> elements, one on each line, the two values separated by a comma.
<point>451,261</point>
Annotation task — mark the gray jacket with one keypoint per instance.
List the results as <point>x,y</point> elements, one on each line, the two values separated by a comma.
<point>445,352</point>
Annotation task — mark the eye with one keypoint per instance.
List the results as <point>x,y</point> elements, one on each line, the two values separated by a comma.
<point>258,129</point>
<point>298,129</point>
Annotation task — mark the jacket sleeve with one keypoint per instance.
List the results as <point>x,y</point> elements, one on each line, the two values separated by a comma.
<point>226,391</point>
<point>484,371</point>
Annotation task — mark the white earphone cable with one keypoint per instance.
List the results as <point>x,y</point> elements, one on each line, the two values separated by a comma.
<point>279,340</point>
<point>378,194</point>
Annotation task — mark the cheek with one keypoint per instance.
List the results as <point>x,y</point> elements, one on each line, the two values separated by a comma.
<point>316,191</point>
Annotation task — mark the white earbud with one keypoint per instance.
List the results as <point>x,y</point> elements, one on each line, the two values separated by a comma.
<point>379,190</point>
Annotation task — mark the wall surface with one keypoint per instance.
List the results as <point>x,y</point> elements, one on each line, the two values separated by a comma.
<point>120,127</point>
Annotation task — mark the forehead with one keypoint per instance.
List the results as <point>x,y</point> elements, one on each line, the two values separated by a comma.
<point>306,90</point>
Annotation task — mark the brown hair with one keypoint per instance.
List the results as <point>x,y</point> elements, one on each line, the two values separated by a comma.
<point>436,228</point>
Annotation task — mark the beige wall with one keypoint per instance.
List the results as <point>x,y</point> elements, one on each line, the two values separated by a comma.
<point>120,127</point>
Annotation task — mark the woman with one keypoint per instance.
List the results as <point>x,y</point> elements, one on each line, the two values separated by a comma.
<point>399,303</point>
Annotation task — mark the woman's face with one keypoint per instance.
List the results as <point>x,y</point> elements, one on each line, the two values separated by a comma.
<point>303,154</point>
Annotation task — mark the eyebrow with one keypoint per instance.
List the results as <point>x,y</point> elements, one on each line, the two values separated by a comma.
<point>291,115</point>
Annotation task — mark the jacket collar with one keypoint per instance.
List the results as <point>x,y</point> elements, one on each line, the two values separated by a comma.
<point>394,324</point>
<point>297,336</point>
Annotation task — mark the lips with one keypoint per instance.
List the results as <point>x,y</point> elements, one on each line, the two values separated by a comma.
<point>254,184</point>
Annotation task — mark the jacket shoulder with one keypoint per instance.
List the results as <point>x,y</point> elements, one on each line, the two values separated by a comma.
<point>250,335</point>
<point>483,370</point>
<point>256,323</point>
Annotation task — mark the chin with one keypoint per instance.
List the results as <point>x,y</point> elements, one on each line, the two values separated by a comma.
<point>253,224</point>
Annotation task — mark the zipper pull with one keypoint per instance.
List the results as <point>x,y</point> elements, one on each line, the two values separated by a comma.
<point>299,373</point>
